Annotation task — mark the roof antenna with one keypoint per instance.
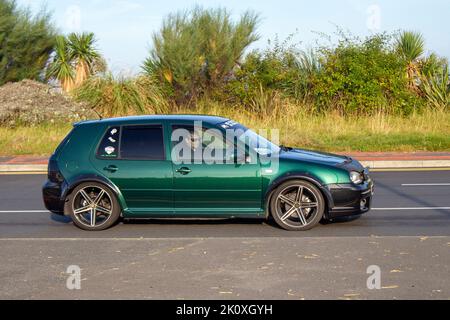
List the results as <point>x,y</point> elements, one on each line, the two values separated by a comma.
<point>98,114</point>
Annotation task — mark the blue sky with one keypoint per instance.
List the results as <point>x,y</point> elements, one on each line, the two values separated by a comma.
<point>124,27</point>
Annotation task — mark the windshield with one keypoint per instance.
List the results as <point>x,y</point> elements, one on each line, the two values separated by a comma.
<point>250,138</point>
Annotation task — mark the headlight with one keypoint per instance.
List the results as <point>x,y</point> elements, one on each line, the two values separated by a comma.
<point>356,177</point>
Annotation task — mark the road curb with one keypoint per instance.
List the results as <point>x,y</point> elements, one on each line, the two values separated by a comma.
<point>10,168</point>
<point>381,164</point>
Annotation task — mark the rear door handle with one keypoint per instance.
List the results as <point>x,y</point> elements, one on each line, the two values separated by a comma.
<point>184,171</point>
<point>111,169</point>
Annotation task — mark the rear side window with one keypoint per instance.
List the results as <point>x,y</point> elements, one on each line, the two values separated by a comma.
<point>109,146</point>
<point>142,143</point>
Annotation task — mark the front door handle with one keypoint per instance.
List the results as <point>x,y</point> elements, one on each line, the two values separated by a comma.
<point>184,171</point>
<point>111,169</point>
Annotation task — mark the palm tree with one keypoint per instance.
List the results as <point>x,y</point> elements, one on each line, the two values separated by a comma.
<point>411,45</point>
<point>84,56</point>
<point>60,67</point>
<point>75,59</point>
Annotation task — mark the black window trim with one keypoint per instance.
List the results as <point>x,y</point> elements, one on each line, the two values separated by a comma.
<point>119,157</point>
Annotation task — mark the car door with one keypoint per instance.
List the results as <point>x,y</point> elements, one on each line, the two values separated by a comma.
<point>134,158</point>
<point>202,188</point>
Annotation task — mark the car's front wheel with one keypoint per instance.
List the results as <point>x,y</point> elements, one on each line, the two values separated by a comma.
<point>93,207</point>
<point>297,205</point>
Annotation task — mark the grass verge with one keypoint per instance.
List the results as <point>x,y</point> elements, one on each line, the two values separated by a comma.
<point>40,140</point>
<point>429,131</point>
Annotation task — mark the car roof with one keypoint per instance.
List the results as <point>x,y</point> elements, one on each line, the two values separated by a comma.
<point>138,119</point>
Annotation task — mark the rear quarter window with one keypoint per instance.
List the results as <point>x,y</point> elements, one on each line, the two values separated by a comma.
<point>109,146</point>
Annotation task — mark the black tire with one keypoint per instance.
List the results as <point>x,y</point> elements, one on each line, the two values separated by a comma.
<point>310,196</point>
<point>110,199</point>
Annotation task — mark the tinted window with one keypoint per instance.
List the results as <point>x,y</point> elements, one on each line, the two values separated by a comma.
<point>109,147</point>
<point>142,142</point>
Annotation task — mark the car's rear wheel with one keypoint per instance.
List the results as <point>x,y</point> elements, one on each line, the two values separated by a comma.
<point>297,205</point>
<point>93,207</point>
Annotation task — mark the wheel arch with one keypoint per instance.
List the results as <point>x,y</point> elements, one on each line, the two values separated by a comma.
<point>97,179</point>
<point>329,202</point>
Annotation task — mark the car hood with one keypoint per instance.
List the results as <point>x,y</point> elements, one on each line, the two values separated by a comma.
<point>315,157</point>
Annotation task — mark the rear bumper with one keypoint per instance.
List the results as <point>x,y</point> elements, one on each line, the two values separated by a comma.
<point>350,199</point>
<point>53,196</point>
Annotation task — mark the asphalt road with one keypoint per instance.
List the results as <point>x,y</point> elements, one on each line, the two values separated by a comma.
<point>407,235</point>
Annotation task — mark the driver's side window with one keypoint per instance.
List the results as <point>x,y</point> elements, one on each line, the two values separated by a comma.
<point>190,143</point>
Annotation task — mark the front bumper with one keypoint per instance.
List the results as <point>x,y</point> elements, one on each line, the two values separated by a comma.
<point>351,199</point>
<point>53,196</point>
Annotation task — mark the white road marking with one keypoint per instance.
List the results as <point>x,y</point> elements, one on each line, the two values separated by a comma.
<point>215,238</point>
<point>418,208</point>
<point>425,184</point>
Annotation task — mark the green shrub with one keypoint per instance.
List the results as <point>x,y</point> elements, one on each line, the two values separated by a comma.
<point>119,96</point>
<point>436,86</point>
<point>282,67</point>
<point>364,77</point>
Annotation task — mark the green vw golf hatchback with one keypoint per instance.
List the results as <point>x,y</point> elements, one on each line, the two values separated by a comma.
<point>196,167</point>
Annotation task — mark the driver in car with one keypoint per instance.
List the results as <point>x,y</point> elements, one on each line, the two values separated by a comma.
<point>190,147</point>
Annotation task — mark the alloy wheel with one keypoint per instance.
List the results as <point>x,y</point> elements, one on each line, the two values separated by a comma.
<point>297,206</point>
<point>92,206</point>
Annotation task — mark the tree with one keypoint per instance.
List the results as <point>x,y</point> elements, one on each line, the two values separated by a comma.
<point>411,46</point>
<point>74,60</point>
<point>61,68</point>
<point>195,51</point>
<point>26,42</point>
<point>85,57</point>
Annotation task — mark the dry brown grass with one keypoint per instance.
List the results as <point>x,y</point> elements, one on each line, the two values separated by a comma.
<point>428,131</point>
